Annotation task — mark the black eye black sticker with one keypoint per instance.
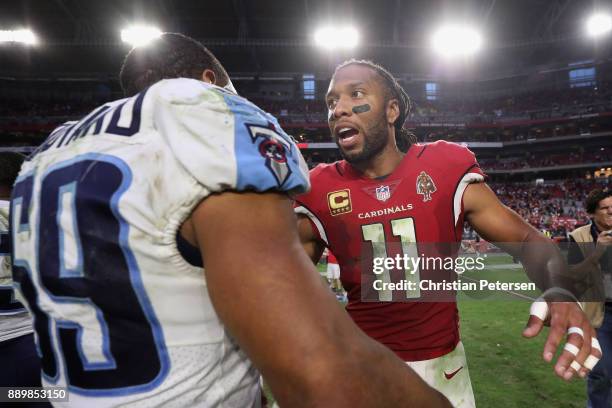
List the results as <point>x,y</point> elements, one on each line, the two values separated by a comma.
<point>361,108</point>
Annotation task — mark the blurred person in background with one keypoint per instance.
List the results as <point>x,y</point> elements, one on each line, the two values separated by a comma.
<point>590,253</point>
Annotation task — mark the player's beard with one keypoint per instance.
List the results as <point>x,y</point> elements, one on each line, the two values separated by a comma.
<point>374,141</point>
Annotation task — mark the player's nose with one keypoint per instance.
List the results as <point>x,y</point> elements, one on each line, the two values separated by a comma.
<point>343,108</point>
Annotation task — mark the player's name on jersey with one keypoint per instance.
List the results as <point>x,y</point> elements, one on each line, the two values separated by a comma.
<point>113,114</point>
<point>385,211</point>
<point>454,285</point>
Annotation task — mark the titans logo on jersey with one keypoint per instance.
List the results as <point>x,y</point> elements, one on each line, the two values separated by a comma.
<point>121,317</point>
<point>274,149</point>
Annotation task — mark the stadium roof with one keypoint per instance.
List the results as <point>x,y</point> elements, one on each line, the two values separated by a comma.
<point>82,37</point>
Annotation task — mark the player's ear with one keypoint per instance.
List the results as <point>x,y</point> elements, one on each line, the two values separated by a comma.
<point>393,111</point>
<point>208,76</point>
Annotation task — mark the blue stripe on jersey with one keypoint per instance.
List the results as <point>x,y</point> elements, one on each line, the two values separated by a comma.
<point>266,157</point>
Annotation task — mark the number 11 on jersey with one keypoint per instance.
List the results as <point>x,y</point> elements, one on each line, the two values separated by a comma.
<point>404,229</point>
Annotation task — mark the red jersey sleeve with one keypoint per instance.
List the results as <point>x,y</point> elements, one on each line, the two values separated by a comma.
<point>464,160</point>
<point>309,205</point>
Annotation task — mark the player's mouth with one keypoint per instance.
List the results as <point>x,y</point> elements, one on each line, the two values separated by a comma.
<point>347,136</point>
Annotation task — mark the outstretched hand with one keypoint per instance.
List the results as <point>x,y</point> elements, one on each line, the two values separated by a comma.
<point>581,351</point>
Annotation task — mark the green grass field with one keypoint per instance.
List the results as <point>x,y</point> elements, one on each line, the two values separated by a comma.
<point>506,369</point>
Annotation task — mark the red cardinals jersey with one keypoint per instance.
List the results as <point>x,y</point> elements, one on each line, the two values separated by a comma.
<point>360,218</point>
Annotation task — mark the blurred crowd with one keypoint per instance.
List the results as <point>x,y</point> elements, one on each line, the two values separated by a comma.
<point>532,160</point>
<point>554,208</point>
<point>542,104</point>
<point>523,106</point>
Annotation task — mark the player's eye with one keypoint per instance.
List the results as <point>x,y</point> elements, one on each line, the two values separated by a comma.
<point>331,104</point>
<point>357,94</point>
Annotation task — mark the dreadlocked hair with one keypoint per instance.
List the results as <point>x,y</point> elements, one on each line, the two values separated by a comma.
<point>403,137</point>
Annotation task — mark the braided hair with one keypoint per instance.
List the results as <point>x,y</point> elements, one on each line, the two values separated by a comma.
<point>393,90</point>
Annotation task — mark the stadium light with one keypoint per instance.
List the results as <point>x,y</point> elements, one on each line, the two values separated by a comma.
<point>599,24</point>
<point>140,35</point>
<point>456,40</point>
<point>336,38</point>
<point>18,36</point>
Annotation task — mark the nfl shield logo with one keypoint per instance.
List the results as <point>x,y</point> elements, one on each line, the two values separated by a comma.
<point>383,193</point>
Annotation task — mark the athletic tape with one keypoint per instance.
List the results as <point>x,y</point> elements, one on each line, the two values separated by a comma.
<point>590,362</point>
<point>539,309</point>
<point>595,344</point>
<point>569,347</point>
<point>575,330</point>
<point>576,366</point>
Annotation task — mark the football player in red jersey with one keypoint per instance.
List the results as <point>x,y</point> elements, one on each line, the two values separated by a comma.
<point>333,274</point>
<point>380,195</point>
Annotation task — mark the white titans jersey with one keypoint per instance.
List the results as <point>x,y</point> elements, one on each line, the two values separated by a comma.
<point>14,318</point>
<point>122,319</point>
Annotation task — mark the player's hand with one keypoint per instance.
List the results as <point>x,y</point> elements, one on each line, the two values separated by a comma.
<point>604,240</point>
<point>581,351</point>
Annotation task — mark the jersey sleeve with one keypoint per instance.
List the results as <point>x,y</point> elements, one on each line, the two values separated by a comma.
<point>224,141</point>
<point>315,223</point>
<point>469,171</point>
<point>308,205</point>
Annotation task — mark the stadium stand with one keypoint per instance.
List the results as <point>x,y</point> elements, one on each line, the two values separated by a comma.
<point>543,137</point>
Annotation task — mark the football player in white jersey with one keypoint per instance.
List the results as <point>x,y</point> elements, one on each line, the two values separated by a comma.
<point>20,365</point>
<point>125,207</point>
